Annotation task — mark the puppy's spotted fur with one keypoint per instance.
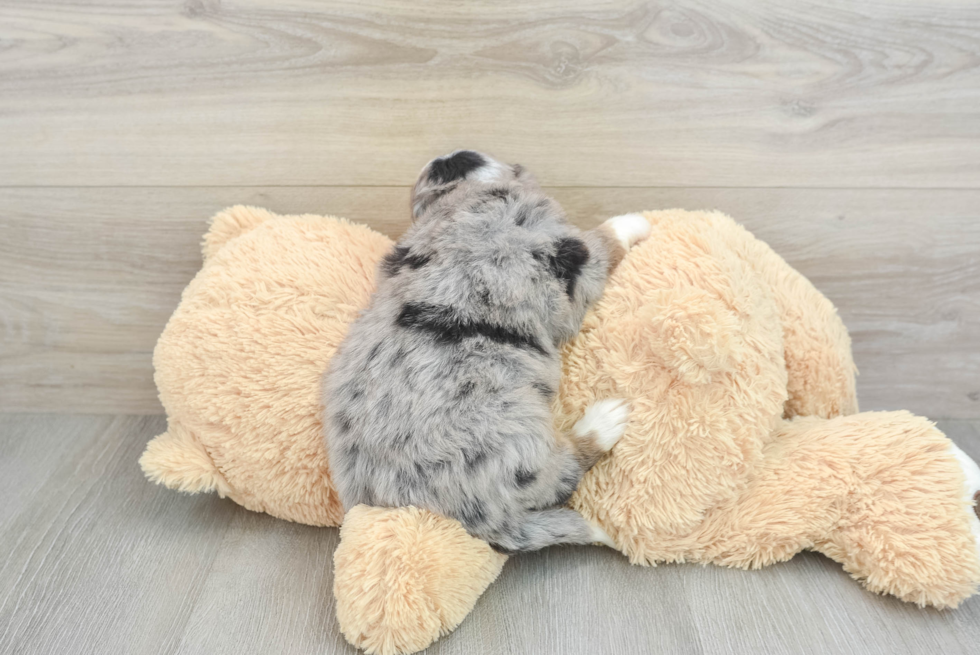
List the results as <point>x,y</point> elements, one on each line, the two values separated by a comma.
<point>440,395</point>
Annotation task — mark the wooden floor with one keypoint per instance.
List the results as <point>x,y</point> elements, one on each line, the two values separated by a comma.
<point>846,134</point>
<point>98,561</point>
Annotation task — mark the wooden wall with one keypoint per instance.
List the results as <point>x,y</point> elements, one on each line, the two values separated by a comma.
<point>847,135</point>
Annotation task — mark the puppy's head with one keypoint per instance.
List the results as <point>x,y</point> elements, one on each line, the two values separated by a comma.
<point>463,171</point>
<point>496,246</point>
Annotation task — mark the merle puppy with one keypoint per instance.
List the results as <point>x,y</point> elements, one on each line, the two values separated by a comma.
<point>439,397</point>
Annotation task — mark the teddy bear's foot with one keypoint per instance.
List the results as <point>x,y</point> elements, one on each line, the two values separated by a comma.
<point>403,577</point>
<point>886,502</point>
<point>971,490</point>
<point>605,421</point>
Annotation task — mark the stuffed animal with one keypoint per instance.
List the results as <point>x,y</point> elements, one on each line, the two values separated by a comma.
<point>744,445</point>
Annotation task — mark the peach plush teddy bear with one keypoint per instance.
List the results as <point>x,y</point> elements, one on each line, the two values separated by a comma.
<point>744,445</point>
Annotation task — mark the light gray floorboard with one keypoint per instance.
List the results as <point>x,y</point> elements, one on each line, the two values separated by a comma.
<point>269,590</point>
<point>97,560</point>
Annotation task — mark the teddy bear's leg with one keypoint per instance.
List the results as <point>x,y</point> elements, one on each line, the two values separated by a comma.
<point>909,526</point>
<point>816,345</point>
<point>883,493</point>
<point>817,349</point>
<point>971,489</point>
<point>404,577</point>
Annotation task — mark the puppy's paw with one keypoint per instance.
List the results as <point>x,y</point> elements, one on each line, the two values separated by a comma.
<point>600,536</point>
<point>629,229</point>
<point>605,421</point>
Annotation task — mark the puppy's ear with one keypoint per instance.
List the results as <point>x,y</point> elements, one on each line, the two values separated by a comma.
<point>443,174</point>
<point>525,177</point>
<point>571,255</point>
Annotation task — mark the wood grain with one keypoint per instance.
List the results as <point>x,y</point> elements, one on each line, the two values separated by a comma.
<point>88,278</point>
<point>97,560</point>
<point>270,590</point>
<point>585,92</point>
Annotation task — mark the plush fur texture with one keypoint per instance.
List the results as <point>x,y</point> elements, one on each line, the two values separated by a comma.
<point>239,364</point>
<point>743,447</point>
<point>440,575</point>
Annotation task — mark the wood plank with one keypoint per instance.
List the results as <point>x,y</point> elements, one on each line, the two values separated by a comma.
<point>585,92</point>
<point>810,606</point>
<point>88,278</point>
<point>96,559</point>
<point>32,449</point>
<point>270,590</point>
<point>579,601</point>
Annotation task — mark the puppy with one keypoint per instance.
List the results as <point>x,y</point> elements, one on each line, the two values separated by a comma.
<point>439,396</point>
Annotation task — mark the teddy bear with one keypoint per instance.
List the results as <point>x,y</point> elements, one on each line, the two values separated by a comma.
<point>744,446</point>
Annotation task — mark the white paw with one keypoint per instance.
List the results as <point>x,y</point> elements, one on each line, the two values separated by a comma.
<point>972,474</point>
<point>630,229</point>
<point>600,536</point>
<point>606,420</point>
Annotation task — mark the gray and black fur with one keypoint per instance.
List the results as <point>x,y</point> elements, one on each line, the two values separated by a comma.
<point>439,397</point>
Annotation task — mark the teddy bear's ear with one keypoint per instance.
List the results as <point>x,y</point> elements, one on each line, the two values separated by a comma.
<point>695,334</point>
<point>230,223</point>
<point>403,577</point>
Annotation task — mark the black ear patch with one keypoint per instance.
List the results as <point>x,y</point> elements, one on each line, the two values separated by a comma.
<point>455,167</point>
<point>567,262</point>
